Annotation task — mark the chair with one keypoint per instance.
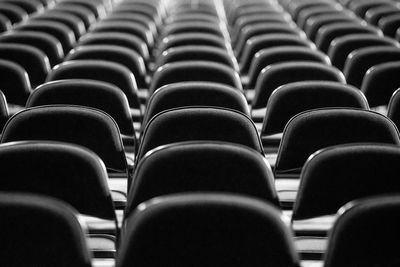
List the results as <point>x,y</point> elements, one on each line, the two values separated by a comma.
<point>114,38</point>
<point>194,71</point>
<point>222,230</point>
<point>307,15</point>
<point>88,127</point>
<point>194,94</point>
<point>341,47</point>
<point>362,7</point>
<point>113,53</point>
<point>45,42</point>
<point>393,111</point>
<point>208,167</point>
<point>199,123</point>
<point>83,13</point>
<point>197,52</point>
<point>359,61</point>
<point>293,98</point>
<point>266,57</point>
<point>328,33</point>
<point>380,82</point>
<point>90,93</point>
<point>310,131</point>
<point>14,13</point>
<point>192,27</point>
<point>255,44</point>
<point>96,7</point>
<point>75,23</point>
<point>40,231</point>
<point>16,87</point>
<point>373,15</point>
<point>29,6</point>
<point>137,18</point>
<point>359,223</point>
<point>334,175</point>
<point>276,75</point>
<point>33,60</point>
<point>100,70</point>
<point>64,34</point>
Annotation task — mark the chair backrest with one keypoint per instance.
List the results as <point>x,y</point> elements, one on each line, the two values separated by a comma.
<point>380,82</point>
<point>341,47</point>
<point>359,61</point>
<point>182,39</point>
<point>16,87</point>
<point>364,234</point>
<point>313,130</point>
<point>40,231</point>
<point>275,75</point>
<point>90,93</point>
<point>393,111</point>
<point>206,230</point>
<point>114,53</point>
<point>47,43</point>
<point>84,126</point>
<point>33,60</point>
<point>316,22</point>
<point>14,13</point>
<point>274,55</point>
<point>197,71</point>
<point>373,15</point>
<point>202,167</point>
<point>194,94</point>
<point>293,98</point>
<point>100,70</point>
<point>60,170</point>
<point>200,124</point>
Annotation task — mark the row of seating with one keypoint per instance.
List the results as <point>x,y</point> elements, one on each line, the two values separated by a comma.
<point>142,119</point>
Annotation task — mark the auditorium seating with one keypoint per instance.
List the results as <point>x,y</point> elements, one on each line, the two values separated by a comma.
<point>235,115</point>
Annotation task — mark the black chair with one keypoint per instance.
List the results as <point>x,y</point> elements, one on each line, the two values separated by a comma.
<point>373,15</point>
<point>362,59</point>
<point>364,234</point>
<point>14,13</point>
<point>83,13</point>
<point>15,83</point>
<point>40,231</point>
<point>343,46</point>
<point>194,94</point>
<point>199,123</point>
<point>312,130</point>
<point>208,167</point>
<point>223,230</point>
<point>90,93</point>
<point>195,71</point>
<point>389,25</point>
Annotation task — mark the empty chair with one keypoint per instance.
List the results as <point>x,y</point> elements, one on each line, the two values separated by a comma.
<point>306,16</point>
<point>124,56</point>
<point>190,39</point>
<point>30,7</point>
<point>362,7</point>
<point>228,230</point>
<point>15,85</point>
<point>390,24</point>
<point>138,18</point>
<point>317,22</point>
<point>194,94</point>
<point>192,27</point>
<point>105,71</point>
<point>72,21</point>
<point>209,167</point>
<point>341,47</point>
<point>359,61</point>
<point>134,29</point>
<point>328,33</point>
<point>83,126</point>
<point>199,123</point>
<point>310,131</point>
<point>380,82</point>
<point>293,98</point>
<point>359,223</point>
<point>14,13</point>
<point>276,75</point>
<point>373,15</point>
<point>195,71</point>
<point>257,43</point>
<point>97,7</point>
<point>274,55</point>
<point>393,111</point>
<point>114,38</point>
<point>41,231</point>
<point>45,42</point>
<point>334,175</point>
<point>33,60</point>
<point>83,13</point>
<point>263,28</point>
<point>91,93</point>
<point>197,52</point>
<point>64,34</point>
